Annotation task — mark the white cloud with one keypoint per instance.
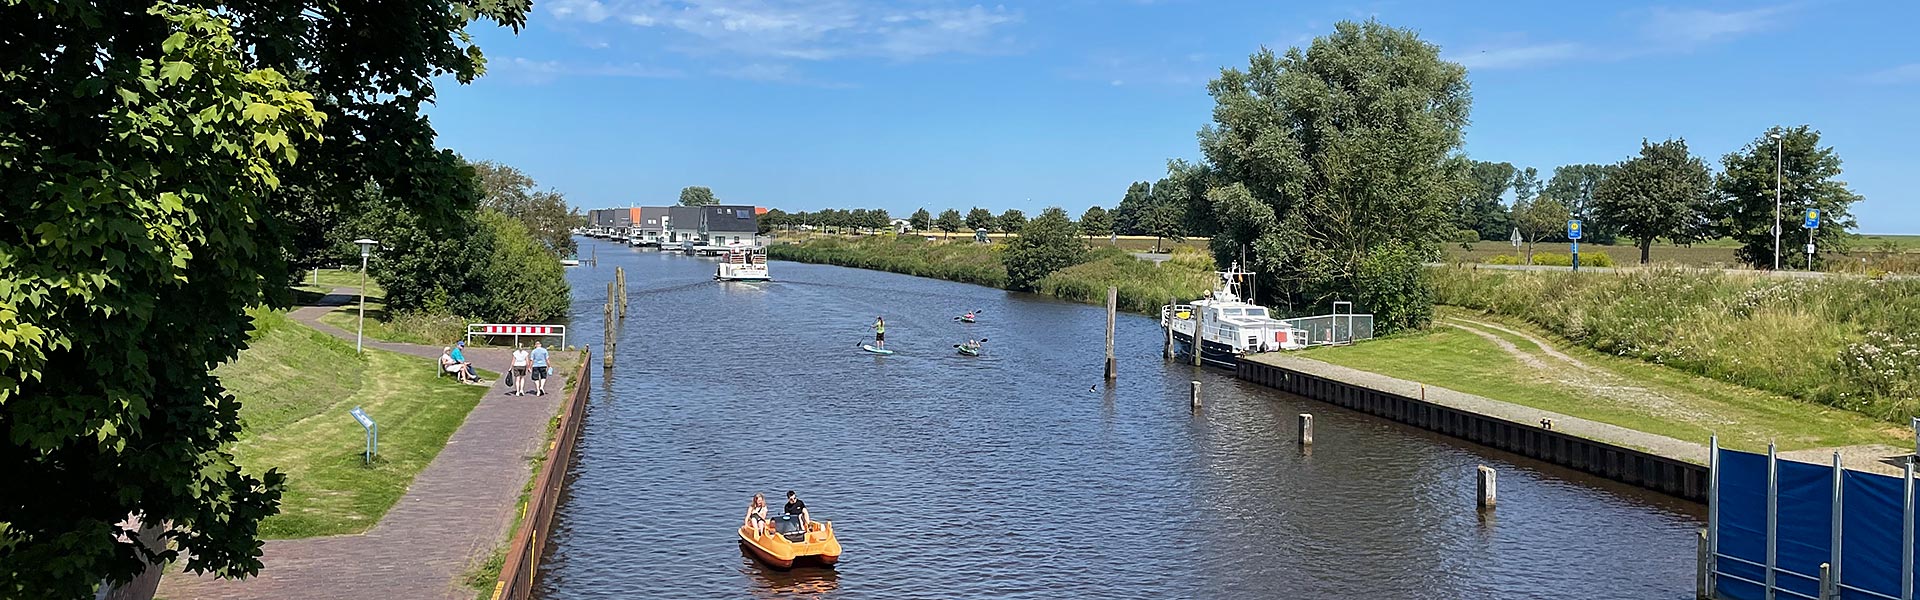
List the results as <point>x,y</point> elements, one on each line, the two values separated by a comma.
<point>1907,73</point>
<point>529,71</point>
<point>775,73</point>
<point>1694,26</point>
<point>808,29</point>
<point>1514,57</point>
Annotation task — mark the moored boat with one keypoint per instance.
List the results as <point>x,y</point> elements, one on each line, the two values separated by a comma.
<point>789,543</point>
<point>1222,327</point>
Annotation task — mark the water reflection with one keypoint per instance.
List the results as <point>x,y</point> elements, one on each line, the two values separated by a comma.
<point>800,582</point>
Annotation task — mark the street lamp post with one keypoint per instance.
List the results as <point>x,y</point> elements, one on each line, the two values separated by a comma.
<point>359,334</point>
<point>1779,143</point>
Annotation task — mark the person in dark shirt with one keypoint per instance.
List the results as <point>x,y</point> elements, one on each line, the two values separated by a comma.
<point>796,507</point>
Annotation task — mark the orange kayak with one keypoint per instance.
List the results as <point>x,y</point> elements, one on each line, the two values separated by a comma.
<point>783,543</point>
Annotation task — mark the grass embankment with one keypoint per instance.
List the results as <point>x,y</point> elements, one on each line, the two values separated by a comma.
<point>1144,286</point>
<point>1847,342</point>
<point>296,385</point>
<point>1866,254</point>
<point>1460,353</point>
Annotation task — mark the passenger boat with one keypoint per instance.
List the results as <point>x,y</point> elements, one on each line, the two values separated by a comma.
<point>743,264</point>
<point>1227,326</point>
<point>790,544</point>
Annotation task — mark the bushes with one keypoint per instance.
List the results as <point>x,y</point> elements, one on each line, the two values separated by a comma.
<point>1848,342</point>
<point>1143,286</point>
<point>965,262</point>
<point>1393,282</point>
<point>485,266</point>
<point>1555,259</point>
<point>1047,244</point>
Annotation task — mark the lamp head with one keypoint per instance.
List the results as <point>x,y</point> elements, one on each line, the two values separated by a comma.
<point>366,246</point>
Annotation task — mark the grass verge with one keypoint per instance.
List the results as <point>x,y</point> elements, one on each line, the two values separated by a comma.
<point>1620,391</point>
<point>296,385</point>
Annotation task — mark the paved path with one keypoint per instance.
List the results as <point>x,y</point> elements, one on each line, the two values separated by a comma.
<point>452,517</point>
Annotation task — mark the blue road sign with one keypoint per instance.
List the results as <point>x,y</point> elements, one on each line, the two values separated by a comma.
<point>1813,219</point>
<point>1573,229</point>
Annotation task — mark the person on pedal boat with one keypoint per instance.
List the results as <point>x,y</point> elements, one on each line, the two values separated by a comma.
<point>796,507</point>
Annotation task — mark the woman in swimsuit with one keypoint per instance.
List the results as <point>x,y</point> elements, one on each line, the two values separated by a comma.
<point>757,513</point>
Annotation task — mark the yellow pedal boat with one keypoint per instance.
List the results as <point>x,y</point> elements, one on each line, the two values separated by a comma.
<point>787,544</point>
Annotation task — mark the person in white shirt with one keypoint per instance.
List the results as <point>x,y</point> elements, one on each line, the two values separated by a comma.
<point>521,358</point>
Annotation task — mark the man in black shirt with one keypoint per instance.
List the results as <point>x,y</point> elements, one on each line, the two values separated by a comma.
<point>796,507</point>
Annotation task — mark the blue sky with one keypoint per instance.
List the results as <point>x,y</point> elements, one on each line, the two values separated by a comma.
<point>804,105</point>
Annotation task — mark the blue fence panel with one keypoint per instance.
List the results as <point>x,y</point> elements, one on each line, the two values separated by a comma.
<point>1870,534</point>
<point>1743,524</point>
<point>1805,519</point>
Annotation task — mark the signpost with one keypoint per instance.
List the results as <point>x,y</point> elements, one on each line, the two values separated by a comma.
<point>1573,234</point>
<point>373,431</point>
<point>1516,237</point>
<point>1811,223</point>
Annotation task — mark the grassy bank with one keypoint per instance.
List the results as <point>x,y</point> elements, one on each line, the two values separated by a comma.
<point>1508,360</point>
<point>1143,285</point>
<point>1847,342</point>
<point>296,385</point>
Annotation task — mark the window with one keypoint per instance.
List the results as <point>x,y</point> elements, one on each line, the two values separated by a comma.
<point>1230,312</point>
<point>1256,312</point>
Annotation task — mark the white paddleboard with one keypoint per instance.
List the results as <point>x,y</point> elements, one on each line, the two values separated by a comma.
<point>870,348</point>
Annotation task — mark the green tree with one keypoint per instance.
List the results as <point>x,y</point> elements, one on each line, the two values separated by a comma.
<point>979,218</point>
<point>1096,222</point>
<point>147,178</point>
<point>1010,221</point>
<point>1810,173</point>
<point>695,195</point>
<point>773,218</point>
<point>1393,277</point>
<point>1573,185</point>
<point>921,220</point>
<point>877,219</point>
<point>1047,244</point>
<point>1349,145</point>
<point>949,221</point>
<point>544,213</point>
<point>1131,212</point>
<point>1481,207</point>
<point>1165,215</point>
<point>1537,219</point>
<point>1663,193</point>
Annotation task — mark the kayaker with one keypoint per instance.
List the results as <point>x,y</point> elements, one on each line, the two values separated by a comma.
<point>879,333</point>
<point>756,513</point>
<point>796,507</point>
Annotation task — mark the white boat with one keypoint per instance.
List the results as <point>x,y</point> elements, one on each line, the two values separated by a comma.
<point>743,263</point>
<point>1228,326</point>
<point>569,262</point>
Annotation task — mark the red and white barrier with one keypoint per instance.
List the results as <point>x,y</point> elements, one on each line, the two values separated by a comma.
<point>516,330</point>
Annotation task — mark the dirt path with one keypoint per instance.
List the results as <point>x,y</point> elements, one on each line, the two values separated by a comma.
<point>1593,381</point>
<point>455,513</point>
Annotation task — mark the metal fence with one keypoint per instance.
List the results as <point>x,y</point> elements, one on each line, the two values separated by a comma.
<point>1785,529</point>
<point>1331,329</point>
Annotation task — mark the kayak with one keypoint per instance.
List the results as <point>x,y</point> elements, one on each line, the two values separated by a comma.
<point>870,348</point>
<point>969,351</point>
<point>964,319</point>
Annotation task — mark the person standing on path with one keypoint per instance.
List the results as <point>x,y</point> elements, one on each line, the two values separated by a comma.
<point>539,370</point>
<point>521,359</point>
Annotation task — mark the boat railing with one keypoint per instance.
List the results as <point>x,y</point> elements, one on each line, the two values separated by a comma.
<point>1173,312</point>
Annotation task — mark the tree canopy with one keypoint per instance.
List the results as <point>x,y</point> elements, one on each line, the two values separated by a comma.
<point>949,221</point>
<point>544,213</point>
<point>1010,221</point>
<point>1539,218</point>
<point>921,220</point>
<point>1047,244</point>
<point>1573,186</point>
<point>1810,174</point>
<point>1096,222</point>
<point>979,218</point>
<point>152,160</point>
<point>1482,207</point>
<point>1663,193</point>
<point>1332,154</point>
<point>695,195</point>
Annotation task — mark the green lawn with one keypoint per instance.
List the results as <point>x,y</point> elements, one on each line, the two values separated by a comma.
<point>1660,400</point>
<point>296,385</point>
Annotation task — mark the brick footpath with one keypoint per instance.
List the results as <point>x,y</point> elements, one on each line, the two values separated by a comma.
<point>452,517</point>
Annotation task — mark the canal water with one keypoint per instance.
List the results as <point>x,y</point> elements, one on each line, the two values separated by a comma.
<point>1019,474</point>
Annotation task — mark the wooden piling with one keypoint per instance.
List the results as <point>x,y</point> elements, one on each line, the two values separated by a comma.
<point>1113,306</point>
<point>1306,429</point>
<point>1703,568</point>
<point>620,278</point>
<point>606,318</point>
<point>1166,318</point>
<point>1193,397</point>
<point>1199,325</point>
<point>1487,488</point>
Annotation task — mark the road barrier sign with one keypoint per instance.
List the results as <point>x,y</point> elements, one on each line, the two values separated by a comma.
<point>516,330</point>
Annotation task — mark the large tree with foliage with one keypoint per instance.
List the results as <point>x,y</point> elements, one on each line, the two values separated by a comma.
<point>1010,221</point>
<point>1132,208</point>
<point>1096,222</point>
<point>1573,185</point>
<point>147,175</point>
<point>1663,193</point>
<point>1337,151</point>
<point>544,213</point>
<point>979,218</point>
<point>696,195</point>
<point>1538,218</point>
<point>921,220</point>
<point>1810,174</point>
<point>1482,206</point>
<point>1047,244</point>
<point>949,221</point>
<point>1165,215</point>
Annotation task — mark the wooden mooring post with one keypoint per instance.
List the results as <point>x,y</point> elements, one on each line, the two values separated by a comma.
<point>1306,429</point>
<point>1166,318</point>
<point>1113,306</point>
<point>620,278</point>
<point>607,316</point>
<point>1199,327</point>
<point>1193,397</point>
<point>1487,490</point>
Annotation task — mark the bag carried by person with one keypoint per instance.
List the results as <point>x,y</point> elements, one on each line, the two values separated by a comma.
<point>510,377</point>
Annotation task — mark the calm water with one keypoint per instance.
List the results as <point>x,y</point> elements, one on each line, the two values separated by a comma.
<point>1003,476</point>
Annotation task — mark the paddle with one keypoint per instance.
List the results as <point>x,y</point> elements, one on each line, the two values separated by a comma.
<point>982,341</point>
